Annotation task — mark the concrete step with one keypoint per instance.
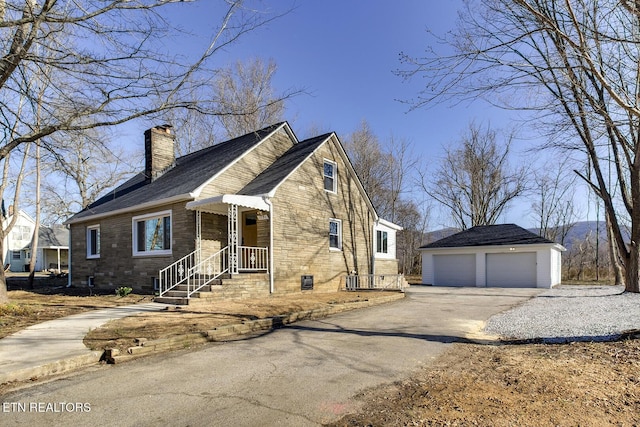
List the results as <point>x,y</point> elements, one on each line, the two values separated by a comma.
<point>185,288</point>
<point>172,300</point>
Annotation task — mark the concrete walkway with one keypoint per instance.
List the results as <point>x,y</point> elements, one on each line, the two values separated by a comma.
<point>56,346</point>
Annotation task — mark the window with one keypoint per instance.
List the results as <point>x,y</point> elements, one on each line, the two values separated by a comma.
<point>152,234</point>
<point>21,232</point>
<point>329,172</point>
<point>335,234</point>
<point>16,255</point>
<point>93,241</point>
<point>381,242</point>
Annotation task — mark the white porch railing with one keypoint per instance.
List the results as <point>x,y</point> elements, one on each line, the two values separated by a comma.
<point>207,270</point>
<point>253,259</point>
<point>176,273</point>
<point>193,273</point>
<point>374,281</point>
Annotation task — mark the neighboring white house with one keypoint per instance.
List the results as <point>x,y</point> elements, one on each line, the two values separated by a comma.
<point>53,245</point>
<point>503,255</point>
<point>18,241</point>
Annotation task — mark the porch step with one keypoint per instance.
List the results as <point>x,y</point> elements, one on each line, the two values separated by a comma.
<point>172,300</point>
<point>240,286</point>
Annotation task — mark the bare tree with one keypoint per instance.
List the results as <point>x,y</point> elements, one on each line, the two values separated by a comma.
<point>36,226</point>
<point>106,65</point>
<point>475,182</point>
<point>246,95</point>
<point>86,165</point>
<point>553,207</point>
<point>576,64</point>
<point>372,165</point>
<point>384,171</point>
<point>6,227</point>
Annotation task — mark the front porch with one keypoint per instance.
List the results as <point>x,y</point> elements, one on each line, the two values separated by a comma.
<point>233,239</point>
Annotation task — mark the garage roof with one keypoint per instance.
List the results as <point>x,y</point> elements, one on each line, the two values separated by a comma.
<point>489,235</point>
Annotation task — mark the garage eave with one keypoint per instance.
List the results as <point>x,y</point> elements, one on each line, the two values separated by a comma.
<point>506,248</point>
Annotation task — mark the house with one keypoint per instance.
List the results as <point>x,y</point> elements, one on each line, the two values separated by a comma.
<point>17,243</point>
<point>504,255</point>
<point>53,245</point>
<point>53,249</point>
<point>264,211</point>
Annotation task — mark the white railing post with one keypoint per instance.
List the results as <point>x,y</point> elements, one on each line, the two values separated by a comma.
<point>232,221</point>
<point>373,281</point>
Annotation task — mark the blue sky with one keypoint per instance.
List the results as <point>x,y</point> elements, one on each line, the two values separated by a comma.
<point>344,54</point>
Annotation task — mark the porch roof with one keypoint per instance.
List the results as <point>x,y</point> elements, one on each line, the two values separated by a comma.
<point>218,204</point>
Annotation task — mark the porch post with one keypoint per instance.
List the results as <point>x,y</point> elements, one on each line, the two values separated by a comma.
<point>199,234</point>
<point>233,238</point>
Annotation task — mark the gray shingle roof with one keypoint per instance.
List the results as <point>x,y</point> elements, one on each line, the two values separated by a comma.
<point>489,235</point>
<point>272,176</point>
<point>49,237</point>
<point>189,172</point>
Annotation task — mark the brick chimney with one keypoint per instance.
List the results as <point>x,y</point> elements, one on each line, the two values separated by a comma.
<point>159,152</point>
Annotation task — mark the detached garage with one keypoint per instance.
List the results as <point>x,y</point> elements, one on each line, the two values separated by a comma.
<point>503,255</point>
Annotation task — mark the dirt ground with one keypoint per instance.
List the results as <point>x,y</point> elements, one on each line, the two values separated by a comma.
<point>578,384</point>
<point>584,384</point>
<point>122,333</point>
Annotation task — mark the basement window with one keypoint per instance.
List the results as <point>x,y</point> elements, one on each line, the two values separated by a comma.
<point>152,234</point>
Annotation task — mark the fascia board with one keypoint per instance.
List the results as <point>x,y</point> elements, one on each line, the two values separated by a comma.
<point>148,205</point>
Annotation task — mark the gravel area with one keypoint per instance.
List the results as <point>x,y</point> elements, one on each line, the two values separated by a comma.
<point>571,313</point>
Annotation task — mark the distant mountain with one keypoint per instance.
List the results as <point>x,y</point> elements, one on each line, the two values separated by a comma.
<point>578,232</point>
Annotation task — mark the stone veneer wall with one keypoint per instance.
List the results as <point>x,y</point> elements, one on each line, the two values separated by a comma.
<point>302,209</point>
<point>117,266</point>
<point>248,167</point>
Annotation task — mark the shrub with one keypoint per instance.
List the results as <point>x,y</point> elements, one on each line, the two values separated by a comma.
<point>123,291</point>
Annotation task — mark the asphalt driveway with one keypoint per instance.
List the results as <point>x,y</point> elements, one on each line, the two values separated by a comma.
<point>304,374</point>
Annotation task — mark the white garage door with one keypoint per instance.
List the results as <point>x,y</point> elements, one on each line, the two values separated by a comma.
<point>454,270</point>
<point>511,270</point>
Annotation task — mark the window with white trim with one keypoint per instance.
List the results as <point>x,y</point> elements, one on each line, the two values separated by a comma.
<point>330,170</point>
<point>335,234</point>
<point>152,234</point>
<point>93,241</point>
<point>382,239</point>
<point>21,232</point>
<point>16,255</point>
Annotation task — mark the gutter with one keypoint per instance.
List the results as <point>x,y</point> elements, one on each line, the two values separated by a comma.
<point>154,203</point>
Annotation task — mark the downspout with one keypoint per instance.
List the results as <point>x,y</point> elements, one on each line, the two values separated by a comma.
<point>373,250</point>
<point>267,200</point>
<point>69,257</point>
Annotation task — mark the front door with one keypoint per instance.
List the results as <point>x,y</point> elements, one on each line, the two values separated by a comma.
<point>250,228</point>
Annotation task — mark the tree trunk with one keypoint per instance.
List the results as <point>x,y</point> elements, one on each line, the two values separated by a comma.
<point>4,296</point>
<point>36,231</point>
<point>614,254</point>
<point>632,276</point>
